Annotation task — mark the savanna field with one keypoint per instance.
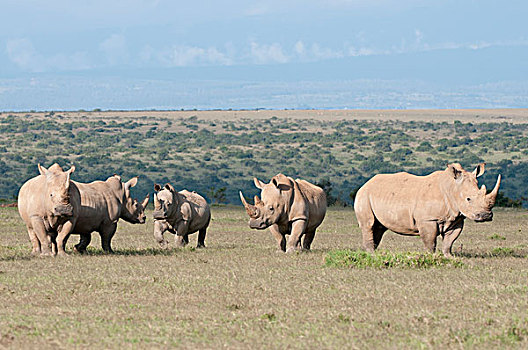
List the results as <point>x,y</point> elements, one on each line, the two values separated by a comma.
<point>240,291</point>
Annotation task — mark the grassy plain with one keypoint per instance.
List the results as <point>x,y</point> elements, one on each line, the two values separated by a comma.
<point>240,292</point>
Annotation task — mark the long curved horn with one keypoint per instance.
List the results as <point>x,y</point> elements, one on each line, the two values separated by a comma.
<point>250,209</point>
<point>492,196</point>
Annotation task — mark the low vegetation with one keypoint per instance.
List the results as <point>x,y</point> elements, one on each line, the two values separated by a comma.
<point>386,259</point>
<point>218,154</point>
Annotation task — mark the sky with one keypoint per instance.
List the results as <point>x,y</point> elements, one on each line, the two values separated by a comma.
<point>49,46</point>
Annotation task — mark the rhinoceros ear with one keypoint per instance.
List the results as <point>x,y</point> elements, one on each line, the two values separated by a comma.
<point>453,171</point>
<point>169,187</point>
<point>282,182</point>
<point>258,184</point>
<point>479,170</point>
<point>42,170</point>
<point>131,183</point>
<point>145,202</point>
<point>157,187</point>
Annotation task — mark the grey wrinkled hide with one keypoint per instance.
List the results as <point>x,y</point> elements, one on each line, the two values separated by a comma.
<point>429,206</point>
<point>288,207</point>
<point>181,213</point>
<point>48,205</point>
<point>103,203</point>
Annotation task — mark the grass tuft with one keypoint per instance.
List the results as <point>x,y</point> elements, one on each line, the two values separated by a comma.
<point>497,237</point>
<point>384,259</point>
<point>503,251</point>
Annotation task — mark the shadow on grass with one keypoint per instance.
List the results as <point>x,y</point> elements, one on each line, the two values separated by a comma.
<point>500,252</point>
<point>14,253</point>
<point>137,252</point>
<point>16,257</point>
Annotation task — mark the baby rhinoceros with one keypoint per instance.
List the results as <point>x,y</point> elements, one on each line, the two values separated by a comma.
<point>181,213</point>
<point>288,207</point>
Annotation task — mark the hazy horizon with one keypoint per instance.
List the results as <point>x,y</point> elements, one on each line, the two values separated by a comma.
<point>158,54</point>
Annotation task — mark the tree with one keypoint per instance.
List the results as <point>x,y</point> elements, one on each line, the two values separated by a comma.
<point>217,196</point>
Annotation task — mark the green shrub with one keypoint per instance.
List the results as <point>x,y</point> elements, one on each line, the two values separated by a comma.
<point>384,259</point>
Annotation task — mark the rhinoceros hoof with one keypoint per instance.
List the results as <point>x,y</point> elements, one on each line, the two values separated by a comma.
<point>292,250</point>
<point>79,250</point>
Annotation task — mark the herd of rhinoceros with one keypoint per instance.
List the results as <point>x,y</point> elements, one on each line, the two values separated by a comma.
<point>53,207</point>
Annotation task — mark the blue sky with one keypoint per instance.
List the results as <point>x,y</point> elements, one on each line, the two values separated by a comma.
<point>470,42</point>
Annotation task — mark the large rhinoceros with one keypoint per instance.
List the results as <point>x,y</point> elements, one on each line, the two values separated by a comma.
<point>103,203</point>
<point>181,213</point>
<point>288,207</point>
<point>428,206</point>
<point>48,204</point>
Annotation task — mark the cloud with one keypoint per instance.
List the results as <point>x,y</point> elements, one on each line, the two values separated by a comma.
<point>266,54</point>
<point>184,56</point>
<point>115,49</point>
<point>23,54</point>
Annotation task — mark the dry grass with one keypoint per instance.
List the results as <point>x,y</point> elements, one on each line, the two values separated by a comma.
<point>241,293</point>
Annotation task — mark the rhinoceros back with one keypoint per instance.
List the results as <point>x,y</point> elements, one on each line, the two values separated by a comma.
<point>101,203</point>
<point>201,211</point>
<point>30,198</point>
<point>396,199</point>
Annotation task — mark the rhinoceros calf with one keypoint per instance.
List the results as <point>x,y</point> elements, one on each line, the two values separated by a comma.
<point>181,213</point>
<point>288,207</point>
<point>428,206</point>
<point>49,204</point>
<point>103,203</point>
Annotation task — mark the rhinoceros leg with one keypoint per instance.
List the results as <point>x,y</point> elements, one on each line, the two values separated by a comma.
<point>377,233</point>
<point>428,232</point>
<point>279,237</point>
<point>297,230</point>
<point>34,241</point>
<point>84,242</point>
<point>107,232</point>
<point>308,239</point>
<point>201,238</point>
<point>181,241</point>
<point>449,238</point>
<point>40,232</point>
<point>182,231</point>
<point>62,237</point>
<point>372,235</point>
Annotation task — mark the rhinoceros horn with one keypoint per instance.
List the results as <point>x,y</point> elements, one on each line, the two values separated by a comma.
<point>492,196</point>
<point>250,209</point>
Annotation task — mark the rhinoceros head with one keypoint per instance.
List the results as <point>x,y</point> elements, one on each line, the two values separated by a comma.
<point>132,210</point>
<point>57,189</point>
<point>271,208</point>
<point>165,201</point>
<point>472,202</point>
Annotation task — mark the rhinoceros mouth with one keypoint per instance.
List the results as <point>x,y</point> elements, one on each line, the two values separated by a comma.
<point>63,210</point>
<point>484,217</point>
<point>158,215</point>
<point>261,225</point>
